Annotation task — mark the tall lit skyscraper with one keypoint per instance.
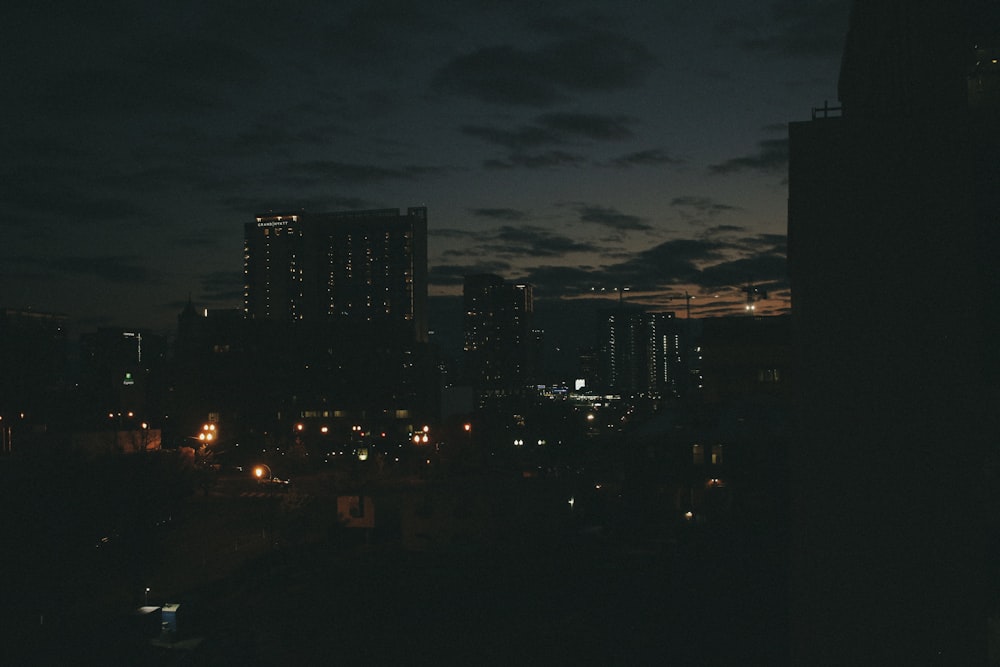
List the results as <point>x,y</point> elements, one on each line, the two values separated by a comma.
<point>893,239</point>
<point>336,307</point>
<point>352,267</point>
<point>640,352</point>
<point>500,345</point>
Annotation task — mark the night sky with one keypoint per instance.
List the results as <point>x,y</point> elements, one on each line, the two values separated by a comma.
<point>579,146</point>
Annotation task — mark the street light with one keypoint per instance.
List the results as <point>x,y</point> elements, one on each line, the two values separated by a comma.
<point>260,470</point>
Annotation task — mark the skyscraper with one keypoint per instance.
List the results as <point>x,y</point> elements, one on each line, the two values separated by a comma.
<point>360,268</point>
<point>500,345</point>
<point>892,230</point>
<point>336,306</point>
<point>640,352</point>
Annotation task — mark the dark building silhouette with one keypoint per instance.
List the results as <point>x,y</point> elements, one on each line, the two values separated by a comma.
<point>333,335</point>
<point>217,372</point>
<point>501,347</point>
<point>640,352</point>
<point>364,269</point>
<point>893,235</point>
<point>746,359</point>
<point>122,374</point>
<point>34,372</point>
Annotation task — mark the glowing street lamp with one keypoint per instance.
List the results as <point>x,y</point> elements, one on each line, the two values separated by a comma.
<point>262,472</point>
<point>208,433</point>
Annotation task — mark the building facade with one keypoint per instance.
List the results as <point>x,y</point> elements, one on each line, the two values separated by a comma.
<point>335,312</point>
<point>892,211</point>
<point>501,348</point>
<point>641,352</point>
<point>363,268</point>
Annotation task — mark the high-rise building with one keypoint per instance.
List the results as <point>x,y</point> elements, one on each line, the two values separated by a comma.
<point>640,352</point>
<point>336,312</point>
<point>892,211</point>
<point>352,267</point>
<point>622,337</point>
<point>34,362</point>
<point>501,348</point>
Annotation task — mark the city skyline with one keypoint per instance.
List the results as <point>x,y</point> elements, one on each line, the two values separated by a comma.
<point>576,147</point>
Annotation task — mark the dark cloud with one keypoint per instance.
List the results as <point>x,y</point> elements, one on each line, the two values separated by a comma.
<point>377,32</point>
<point>537,161</point>
<point>770,268</point>
<point>532,241</point>
<point>702,205</point>
<point>609,217</point>
<point>795,29</point>
<point>554,130</point>
<point>519,139</point>
<point>650,157</point>
<point>775,243</point>
<point>118,269</point>
<point>222,286</point>
<point>702,264</point>
<point>718,230</point>
<point>597,61</point>
<point>47,195</point>
<point>670,262</point>
<point>591,126</point>
<point>556,281</point>
<point>197,241</point>
<point>251,206</point>
<point>454,274</point>
<point>209,61</point>
<point>772,157</point>
<point>509,214</point>
<point>325,171</point>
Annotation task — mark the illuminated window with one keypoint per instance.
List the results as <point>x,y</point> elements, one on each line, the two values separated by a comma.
<point>716,454</point>
<point>698,454</point>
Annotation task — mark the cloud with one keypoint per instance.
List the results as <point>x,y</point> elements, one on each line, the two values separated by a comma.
<point>768,267</point>
<point>612,218</point>
<point>315,171</point>
<point>595,61</point>
<point>796,29</point>
<point>529,240</point>
<point>772,156</point>
<point>509,214</point>
<point>222,286</point>
<point>670,262</point>
<point>555,129</point>
<point>48,195</point>
<point>719,230</point>
<point>600,127</point>
<point>650,157</point>
<point>774,243</point>
<point>454,274</point>
<point>703,205</point>
<point>519,139</point>
<point>554,281</point>
<point>118,269</point>
<point>537,161</point>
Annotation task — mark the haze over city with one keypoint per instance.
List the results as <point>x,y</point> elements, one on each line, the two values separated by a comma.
<point>580,146</point>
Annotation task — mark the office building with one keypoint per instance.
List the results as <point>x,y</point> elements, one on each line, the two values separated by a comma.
<point>364,269</point>
<point>501,348</point>
<point>35,368</point>
<point>335,306</point>
<point>640,352</point>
